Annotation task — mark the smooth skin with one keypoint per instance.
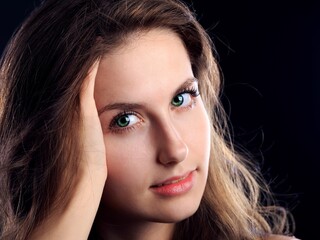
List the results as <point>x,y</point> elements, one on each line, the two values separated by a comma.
<point>148,83</point>
<point>172,152</point>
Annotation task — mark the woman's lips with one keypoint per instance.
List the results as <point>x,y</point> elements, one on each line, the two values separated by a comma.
<point>175,185</point>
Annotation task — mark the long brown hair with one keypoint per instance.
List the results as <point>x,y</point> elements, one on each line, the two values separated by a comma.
<point>42,70</point>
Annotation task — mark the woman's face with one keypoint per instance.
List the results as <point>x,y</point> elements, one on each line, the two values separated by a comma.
<point>156,130</point>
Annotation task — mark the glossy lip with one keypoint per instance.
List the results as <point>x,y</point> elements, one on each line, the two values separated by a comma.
<point>175,186</point>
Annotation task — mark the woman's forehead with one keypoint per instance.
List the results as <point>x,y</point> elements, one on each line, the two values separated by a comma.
<point>154,62</point>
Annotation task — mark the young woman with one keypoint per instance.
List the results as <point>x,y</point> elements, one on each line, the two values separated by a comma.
<point>111,128</point>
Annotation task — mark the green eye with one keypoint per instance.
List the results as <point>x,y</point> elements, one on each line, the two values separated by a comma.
<point>123,121</point>
<point>177,100</point>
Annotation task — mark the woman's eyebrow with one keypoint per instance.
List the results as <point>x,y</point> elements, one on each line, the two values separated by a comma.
<point>113,106</point>
<point>186,84</point>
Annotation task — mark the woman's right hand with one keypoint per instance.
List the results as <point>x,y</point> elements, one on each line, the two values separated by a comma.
<point>75,220</point>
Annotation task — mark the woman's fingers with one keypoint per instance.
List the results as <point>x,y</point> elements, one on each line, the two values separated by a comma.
<point>92,137</point>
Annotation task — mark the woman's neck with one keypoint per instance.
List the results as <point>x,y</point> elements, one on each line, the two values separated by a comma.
<point>134,231</point>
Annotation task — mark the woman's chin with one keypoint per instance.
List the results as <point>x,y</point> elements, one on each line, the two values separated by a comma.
<point>177,214</point>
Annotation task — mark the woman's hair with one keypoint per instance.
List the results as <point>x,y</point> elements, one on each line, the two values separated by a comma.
<point>41,74</point>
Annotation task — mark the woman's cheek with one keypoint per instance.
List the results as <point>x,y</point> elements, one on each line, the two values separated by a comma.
<point>199,133</point>
<point>126,154</point>
<point>194,126</point>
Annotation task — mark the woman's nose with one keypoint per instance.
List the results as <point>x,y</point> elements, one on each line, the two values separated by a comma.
<point>172,149</point>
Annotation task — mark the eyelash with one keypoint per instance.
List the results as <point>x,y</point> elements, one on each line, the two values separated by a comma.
<point>194,92</point>
<point>113,128</point>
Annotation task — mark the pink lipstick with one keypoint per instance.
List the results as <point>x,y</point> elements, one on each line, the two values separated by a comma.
<point>175,185</point>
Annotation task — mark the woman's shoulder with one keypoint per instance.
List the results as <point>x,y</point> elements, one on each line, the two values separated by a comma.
<point>281,237</point>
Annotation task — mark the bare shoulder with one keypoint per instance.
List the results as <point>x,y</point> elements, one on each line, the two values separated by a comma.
<point>281,237</point>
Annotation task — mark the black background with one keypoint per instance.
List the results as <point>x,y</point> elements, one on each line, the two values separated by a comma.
<point>269,54</point>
